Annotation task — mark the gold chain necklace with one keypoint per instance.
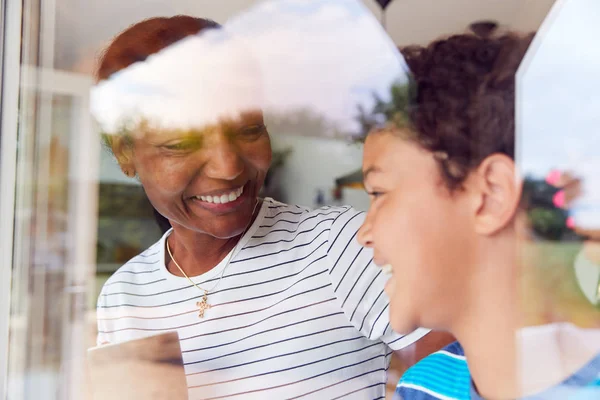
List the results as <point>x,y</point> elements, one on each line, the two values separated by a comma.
<point>203,304</point>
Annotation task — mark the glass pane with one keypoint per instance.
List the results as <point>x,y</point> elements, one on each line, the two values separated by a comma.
<point>324,74</point>
<point>49,281</point>
<point>54,224</point>
<point>558,156</point>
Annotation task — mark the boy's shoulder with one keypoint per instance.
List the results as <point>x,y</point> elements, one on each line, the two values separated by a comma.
<point>441,375</point>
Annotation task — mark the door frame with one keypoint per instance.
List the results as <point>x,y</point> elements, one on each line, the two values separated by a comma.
<point>10,58</point>
<point>84,152</point>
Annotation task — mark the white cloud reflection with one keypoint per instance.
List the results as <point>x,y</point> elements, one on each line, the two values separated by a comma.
<point>287,57</point>
<point>559,114</point>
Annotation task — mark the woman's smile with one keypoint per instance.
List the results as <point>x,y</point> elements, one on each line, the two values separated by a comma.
<point>222,201</point>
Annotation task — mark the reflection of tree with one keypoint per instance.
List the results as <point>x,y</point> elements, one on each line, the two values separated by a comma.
<point>125,223</point>
<point>272,186</point>
<point>388,112</point>
<point>547,221</point>
<point>230,124</point>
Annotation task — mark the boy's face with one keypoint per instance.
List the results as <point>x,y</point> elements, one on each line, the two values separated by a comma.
<point>418,227</point>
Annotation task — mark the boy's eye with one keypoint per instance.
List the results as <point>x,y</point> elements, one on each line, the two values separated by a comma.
<point>375,194</point>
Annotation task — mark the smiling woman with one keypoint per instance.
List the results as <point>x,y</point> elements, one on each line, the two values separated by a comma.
<point>268,299</point>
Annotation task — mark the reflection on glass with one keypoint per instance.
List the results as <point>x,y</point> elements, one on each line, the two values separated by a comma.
<point>307,81</point>
<point>268,299</point>
<point>299,300</point>
<point>558,156</point>
<point>54,236</point>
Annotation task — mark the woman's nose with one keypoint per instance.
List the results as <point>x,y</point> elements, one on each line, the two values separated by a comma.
<point>224,159</point>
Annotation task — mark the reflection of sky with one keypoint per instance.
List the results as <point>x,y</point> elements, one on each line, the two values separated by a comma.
<point>327,56</point>
<point>559,93</point>
<point>184,86</point>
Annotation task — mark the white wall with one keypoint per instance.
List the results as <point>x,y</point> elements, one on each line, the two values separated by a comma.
<point>314,164</point>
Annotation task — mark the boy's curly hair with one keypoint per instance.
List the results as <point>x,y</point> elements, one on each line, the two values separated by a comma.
<point>464,109</point>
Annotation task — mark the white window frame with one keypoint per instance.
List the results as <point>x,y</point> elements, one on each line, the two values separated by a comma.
<point>10,55</point>
<point>84,151</point>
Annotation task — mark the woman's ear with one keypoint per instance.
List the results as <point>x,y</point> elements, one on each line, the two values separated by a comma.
<point>498,194</point>
<point>123,151</point>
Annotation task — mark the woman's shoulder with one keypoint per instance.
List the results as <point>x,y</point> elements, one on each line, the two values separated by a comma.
<point>282,211</point>
<point>273,207</point>
<point>289,219</point>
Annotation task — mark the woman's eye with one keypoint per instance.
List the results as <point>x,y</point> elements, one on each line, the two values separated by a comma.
<point>186,145</point>
<point>253,130</point>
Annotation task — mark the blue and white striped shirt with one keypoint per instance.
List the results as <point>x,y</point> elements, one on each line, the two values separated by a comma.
<point>445,375</point>
<point>441,375</point>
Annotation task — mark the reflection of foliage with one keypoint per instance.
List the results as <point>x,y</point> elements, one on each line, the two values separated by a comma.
<point>231,125</point>
<point>119,239</point>
<point>125,129</point>
<point>278,160</point>
<point>279,157</point>
<point>392,112</point>
<point>126,224</point>
<point>107,140</point>
<point>547,221</point>
<point>123,201</point>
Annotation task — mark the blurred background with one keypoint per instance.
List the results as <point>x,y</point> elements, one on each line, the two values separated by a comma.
<point>69,217</point>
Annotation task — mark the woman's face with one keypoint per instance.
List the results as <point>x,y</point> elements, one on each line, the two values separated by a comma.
<point>419,228</point>
<point>206,180</point>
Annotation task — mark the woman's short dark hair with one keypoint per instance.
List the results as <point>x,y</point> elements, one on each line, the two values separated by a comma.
<point>145,38</point>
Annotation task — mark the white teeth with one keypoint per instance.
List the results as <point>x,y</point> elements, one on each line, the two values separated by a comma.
<point>387,269</point>
<point>225,198</point>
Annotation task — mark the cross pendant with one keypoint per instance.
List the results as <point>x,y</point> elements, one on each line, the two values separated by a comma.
<point>203,305</point>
